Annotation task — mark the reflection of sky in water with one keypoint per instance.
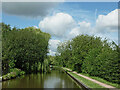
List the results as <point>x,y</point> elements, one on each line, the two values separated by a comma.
<point>63,84</point>
<point>59,80</point>
<point>0,86</point>
<point>51,82</point>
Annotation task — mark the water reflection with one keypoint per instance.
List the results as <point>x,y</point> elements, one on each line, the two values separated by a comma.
<point>54,79</point>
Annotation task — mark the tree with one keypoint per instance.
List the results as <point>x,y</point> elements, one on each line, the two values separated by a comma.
<point>91,55</point>
<point>24,48</point>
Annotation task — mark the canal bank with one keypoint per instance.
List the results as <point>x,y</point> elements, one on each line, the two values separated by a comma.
<point>78,81</point>
<point>89,82</point>
<point>12,75</point>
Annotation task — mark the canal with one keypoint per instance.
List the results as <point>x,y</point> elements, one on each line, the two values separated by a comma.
<point>57,78</point>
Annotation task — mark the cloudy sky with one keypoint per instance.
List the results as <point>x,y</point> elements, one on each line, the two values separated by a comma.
<point>64,20</point>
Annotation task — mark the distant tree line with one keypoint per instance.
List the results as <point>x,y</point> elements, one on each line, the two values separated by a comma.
<point>91,55</point>
<point>25,48</point>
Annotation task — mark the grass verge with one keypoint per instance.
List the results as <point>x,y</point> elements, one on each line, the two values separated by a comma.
<point>88,83</point>
<point>98,79</point>
<point>102,80</point>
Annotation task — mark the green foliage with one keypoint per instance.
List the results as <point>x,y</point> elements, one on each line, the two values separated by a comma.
<point>23,48</point>
<point>91,55</point>
<point>13,74</point>
<point>22,73</point>
<point>103,63</point>
<point>51,60</point>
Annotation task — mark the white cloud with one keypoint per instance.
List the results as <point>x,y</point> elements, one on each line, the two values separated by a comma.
<point>53,46</point>
<point>62,25</point>
<point>51,53</point>
<point>35,27</point>
<point>82,28</point>
<point>57,25</point>
<point>107,23</point>
<point>106,26</point>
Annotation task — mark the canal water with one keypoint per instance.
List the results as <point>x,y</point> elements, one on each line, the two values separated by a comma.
<point>55,79</point>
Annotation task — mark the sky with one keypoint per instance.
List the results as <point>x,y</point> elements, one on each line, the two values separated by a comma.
<point>64,20</point>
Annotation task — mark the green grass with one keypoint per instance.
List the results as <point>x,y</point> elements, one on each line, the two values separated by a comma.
<point>66,69</point>
<point>88,83</point>
<point>102,80</point>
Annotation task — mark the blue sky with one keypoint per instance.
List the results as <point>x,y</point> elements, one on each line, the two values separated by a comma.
<point>78,10</point>
<point>91,18</point>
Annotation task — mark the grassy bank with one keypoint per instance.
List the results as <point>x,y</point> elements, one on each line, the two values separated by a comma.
<point>13,74</point>
<point>91,84</point>
<point>102,80</point>
<point>88,83</point>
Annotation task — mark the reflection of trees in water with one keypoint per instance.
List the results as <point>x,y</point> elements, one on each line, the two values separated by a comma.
<point>57,78</point>
<point>36,80</point>
<point>16,83</point>
<point>66,81</point>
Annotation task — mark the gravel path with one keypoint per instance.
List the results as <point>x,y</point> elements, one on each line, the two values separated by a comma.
<point>95,81</point>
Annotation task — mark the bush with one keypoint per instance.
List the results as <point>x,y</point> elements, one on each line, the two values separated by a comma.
<point>22,73</point>
<point>13,74</point>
